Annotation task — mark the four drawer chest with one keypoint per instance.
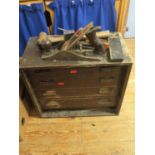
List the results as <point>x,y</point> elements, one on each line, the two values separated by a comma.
<point>74,88</point>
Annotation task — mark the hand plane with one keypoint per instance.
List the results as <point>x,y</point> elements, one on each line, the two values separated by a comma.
<point>68,49</point>
<point>83,45</point>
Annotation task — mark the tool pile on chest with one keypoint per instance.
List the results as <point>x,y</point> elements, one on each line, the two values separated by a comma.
<point>86,44</point>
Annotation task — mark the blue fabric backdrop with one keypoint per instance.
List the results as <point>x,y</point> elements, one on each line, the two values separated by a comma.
<point>73,14</point>
<point>31,22</point>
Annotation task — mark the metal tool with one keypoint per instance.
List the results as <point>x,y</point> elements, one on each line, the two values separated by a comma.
<point>72,48</point>
<point>67,33</point>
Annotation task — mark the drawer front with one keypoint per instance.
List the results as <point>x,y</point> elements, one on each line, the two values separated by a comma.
<point>58,82</point>
<point>83,73</point>
<point>59,92</point>
<point>74,84</point>
<point>74,73</point>
<point>77,103</point>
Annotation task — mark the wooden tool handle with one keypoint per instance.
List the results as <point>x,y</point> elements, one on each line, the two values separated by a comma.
<point>57,38</point>
<point>76,37</point>
<point>43,42</point>
<point>42,37</point>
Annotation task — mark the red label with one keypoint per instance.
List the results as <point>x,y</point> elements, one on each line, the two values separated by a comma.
<point>74,71</point>
<point>60,84</point>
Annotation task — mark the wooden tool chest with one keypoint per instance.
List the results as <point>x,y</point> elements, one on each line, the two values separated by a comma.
<point>74,88</point>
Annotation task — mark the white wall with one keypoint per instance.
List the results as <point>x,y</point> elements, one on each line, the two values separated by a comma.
<point>131,21</point>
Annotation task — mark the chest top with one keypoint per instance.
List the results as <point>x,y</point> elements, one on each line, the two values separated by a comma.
<point>32,58</point>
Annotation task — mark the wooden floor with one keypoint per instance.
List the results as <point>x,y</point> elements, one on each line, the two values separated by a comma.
<point>108,135</point>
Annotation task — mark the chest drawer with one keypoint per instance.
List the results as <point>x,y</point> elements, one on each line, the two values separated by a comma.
<point>63,73</point>
<point>77,103</point>
<point>59,92</point>
<point>75,73</point>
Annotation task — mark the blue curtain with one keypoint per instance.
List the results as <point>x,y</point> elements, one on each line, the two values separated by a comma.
<point>31,22</point>
<point>73,14</point>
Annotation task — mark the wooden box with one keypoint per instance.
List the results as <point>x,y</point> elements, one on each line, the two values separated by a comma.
<point>74,88</point>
